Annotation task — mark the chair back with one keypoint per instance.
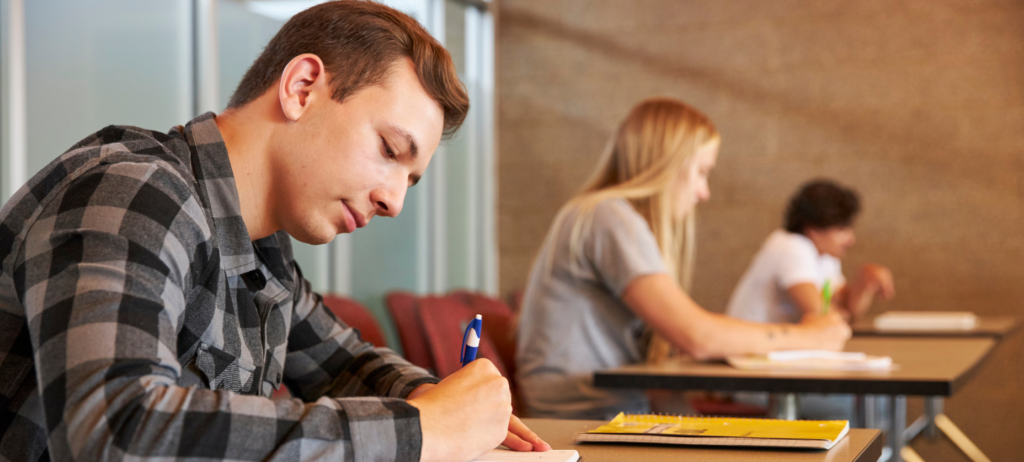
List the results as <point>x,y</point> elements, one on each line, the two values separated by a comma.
<point>515,299</point>
<point>357,316</point>
<point>444,322</point>
<point>500,327</point>
<point>404,309</point>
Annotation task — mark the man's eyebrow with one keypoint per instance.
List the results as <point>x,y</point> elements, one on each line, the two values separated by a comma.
<point>414,150</point>
<point>415,179</point>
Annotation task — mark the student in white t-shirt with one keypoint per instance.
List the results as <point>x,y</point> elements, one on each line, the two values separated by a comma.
<point>785,280</point>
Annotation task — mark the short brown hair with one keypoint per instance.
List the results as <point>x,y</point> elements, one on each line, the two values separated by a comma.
<point>358,42</point>
<point>821,204</point>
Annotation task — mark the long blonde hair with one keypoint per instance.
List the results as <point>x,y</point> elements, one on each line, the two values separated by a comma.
<point>642,162</point>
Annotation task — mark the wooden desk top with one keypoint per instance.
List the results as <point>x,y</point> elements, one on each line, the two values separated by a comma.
<point>926,366</point>
<point>860,445</point>
<point>988,326</point>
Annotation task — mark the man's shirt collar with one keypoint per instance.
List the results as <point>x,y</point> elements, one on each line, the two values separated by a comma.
<point>212,169</point>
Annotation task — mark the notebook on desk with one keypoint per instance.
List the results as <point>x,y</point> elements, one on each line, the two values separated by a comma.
<point>812,360</point>
<point>926,320</point>
<point>718,431</point>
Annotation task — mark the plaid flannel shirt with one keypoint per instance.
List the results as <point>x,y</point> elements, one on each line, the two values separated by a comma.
<point>137,320</point>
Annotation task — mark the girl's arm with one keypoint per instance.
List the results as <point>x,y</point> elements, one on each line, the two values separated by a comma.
<point>660,302</point>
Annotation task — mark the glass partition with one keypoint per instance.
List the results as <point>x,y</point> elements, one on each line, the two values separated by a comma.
<point>102,62</point>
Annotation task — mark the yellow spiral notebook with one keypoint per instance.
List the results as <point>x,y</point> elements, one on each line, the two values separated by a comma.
<point>718,431</point>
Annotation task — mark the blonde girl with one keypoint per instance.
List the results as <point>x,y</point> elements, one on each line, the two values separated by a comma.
<point>615,263</point>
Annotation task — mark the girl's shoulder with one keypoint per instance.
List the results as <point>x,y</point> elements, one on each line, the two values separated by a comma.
<point>616,210</point>
<point>608,218</point>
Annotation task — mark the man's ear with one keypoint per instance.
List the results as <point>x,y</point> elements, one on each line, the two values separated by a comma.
<point>300,82</point>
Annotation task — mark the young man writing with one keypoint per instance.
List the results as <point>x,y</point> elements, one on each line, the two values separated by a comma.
<point>149,303</point>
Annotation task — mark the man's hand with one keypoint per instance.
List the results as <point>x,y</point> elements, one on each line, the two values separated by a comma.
<point>827,332</point>
<point>520,438</point>
<point>419,391</point>
<point>465,415</point>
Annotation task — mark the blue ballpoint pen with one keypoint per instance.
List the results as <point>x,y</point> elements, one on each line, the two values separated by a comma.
<point>471,339</point>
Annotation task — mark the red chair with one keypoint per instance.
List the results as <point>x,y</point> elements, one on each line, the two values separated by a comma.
<point>431,328</point>
<point>714,404</point>
<point>500,329</point>
<point>444,323</point>
<point>355,315</point>
<point>515,299</point>
<point>404,309</point>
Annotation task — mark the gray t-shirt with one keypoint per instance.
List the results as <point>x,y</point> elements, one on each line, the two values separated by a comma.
<point>574,322</point>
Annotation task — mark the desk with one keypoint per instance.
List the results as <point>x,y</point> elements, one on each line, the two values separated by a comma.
<point>927,366</point>
<point>988,326</point>
<point>860,445</point>
<point>934,419</point>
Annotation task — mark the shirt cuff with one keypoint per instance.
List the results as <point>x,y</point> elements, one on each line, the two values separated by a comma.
<point>384,429</point>
<point>408,387</point>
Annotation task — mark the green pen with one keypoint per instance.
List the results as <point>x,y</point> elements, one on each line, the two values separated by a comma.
<point>826,296</point>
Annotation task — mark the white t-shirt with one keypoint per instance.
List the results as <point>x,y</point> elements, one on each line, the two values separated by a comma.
<point>785,260</point>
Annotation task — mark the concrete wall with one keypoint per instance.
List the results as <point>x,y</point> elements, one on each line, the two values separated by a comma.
<point>917,104</point>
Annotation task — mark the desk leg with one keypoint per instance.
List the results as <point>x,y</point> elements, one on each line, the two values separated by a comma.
<point>871,411</point>
<point>782,406</point>
<point>960,439</point>
<point>860,411</point>
<point>910,455</point>
<point>932,408</point>
<point>787,406</point>
<point>897,423</point>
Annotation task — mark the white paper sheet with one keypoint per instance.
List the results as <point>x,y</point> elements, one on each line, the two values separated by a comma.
<point>504,455</point>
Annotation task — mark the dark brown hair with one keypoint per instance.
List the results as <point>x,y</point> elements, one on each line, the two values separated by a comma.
<point>821,204</point>
<point>358,42</point>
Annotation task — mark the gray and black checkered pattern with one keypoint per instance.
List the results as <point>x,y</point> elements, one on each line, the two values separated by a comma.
<point>138,320</point>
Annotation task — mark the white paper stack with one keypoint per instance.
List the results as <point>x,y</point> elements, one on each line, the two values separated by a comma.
<point>812,360</point>
<point>504,455</point>
<point>926,320</point>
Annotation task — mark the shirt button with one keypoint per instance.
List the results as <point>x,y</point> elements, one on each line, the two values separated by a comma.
<point>279,377</point>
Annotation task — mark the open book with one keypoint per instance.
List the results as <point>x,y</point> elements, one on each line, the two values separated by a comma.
<point>718,431</point>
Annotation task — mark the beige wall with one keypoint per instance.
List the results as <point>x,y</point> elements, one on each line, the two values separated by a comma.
<point>918,104</point>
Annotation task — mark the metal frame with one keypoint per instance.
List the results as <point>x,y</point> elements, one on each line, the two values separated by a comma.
<point>205,65</point>
<point>481,4</point>
<point>434,273</point>
<point>14,133</point>
<point>480,77</point>
<point>488,164</point>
